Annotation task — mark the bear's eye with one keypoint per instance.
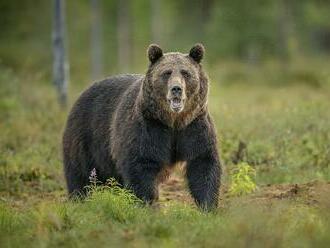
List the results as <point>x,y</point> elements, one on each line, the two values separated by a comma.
<point>186,74</point>
<point>166,74</point>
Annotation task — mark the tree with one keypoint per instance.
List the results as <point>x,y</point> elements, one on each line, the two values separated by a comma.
<point>124,35</point>
<point>156,30</point>
<point>60,65</point>
<point>96,40</point>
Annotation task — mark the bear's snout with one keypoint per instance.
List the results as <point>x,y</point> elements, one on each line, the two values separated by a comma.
<point>176,91</point>
<point>176,95</point>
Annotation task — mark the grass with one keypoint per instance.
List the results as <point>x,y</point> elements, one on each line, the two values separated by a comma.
<point>285,138</point>
<point>286,130</point>
<point>112,219</point>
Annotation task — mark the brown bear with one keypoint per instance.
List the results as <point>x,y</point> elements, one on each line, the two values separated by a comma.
<point>135,127</point>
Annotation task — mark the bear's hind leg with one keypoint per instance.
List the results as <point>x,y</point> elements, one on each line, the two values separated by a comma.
<point>76,182</point>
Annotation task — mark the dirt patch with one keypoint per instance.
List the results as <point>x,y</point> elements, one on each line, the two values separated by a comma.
<point>312,193</point>
<point>174,189</point>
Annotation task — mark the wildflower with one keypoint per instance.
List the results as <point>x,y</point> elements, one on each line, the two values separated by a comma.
<point>93,177</point>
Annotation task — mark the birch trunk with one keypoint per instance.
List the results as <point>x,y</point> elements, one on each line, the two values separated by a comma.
<point>60,64</point>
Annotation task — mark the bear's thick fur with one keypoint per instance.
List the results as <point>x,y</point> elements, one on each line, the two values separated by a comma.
<point>134,128</point>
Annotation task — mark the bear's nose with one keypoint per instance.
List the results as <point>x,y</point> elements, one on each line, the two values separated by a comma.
<point>176,90</point>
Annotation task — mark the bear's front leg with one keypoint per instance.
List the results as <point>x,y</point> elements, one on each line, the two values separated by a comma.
<point>141,177</point>
<point>203,174</point>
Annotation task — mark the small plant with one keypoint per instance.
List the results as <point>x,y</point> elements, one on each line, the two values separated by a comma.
<point>93,177</point>
<point>242,180</point>
<point>112,187</point>
<point>94,184</point>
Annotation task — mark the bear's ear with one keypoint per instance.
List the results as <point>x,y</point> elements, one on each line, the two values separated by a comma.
<point>197,52</point>
<point>154,53</point>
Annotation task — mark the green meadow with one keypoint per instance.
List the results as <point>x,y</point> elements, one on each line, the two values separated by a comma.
<point>274,140</point>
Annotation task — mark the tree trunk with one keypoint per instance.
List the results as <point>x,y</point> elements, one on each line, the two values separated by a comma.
<point>284,30</point>
<point>206,11</point>
<point>96,41</point>
<point>60,66</point>
<point>124,35</point>
<point>156,30</point>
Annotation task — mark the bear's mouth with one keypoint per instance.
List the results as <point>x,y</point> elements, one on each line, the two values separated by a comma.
<point>176,104</point>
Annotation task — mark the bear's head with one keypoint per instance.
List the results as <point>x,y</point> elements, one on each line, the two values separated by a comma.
<point>175,87</point>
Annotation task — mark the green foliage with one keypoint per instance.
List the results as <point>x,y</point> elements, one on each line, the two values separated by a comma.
<point>242,27</point>
<point>97,222</point>
<point>242,179</point>
<point>286,129</point>
<point>118,202</point>
<point>253,31</point>
<point>287,135</point>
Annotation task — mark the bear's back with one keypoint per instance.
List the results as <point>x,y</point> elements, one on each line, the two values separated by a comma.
<point>88,126</point>
<point>102,97</point>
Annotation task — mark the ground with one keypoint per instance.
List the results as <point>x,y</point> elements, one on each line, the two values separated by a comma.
<point>282,133</point>
<point>311,193</point>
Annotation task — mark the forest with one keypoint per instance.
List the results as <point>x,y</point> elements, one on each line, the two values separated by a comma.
<point>268,64</point>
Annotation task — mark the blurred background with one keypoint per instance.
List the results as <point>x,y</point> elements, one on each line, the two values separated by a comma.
<point>105,37</point>
<point>269,67</point>
<point>268,63</point>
